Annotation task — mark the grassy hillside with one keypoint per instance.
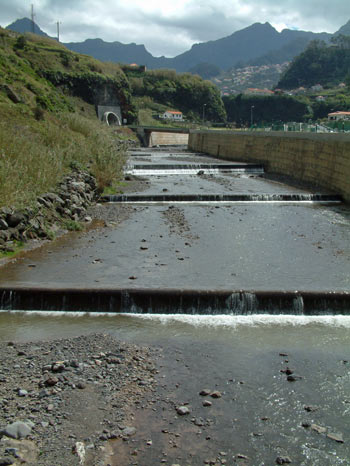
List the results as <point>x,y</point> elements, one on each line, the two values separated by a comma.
<point>47,127</point>
<point>319,64</point>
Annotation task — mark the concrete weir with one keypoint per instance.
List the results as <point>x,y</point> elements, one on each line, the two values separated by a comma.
<point>175,301</point>
<point>233,243</point>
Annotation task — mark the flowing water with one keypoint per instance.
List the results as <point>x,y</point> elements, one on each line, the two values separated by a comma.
<point>260,414</point>
<point>234,269</point>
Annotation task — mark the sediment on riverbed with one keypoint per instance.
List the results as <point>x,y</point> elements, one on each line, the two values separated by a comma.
<point>62,400</point>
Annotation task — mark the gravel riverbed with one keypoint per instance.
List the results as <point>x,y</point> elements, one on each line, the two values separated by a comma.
<point>62,400</point>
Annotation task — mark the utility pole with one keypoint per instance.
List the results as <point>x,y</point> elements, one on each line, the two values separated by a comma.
<point>32,15</point>
<point>58,31</point>
<point>251,116</point>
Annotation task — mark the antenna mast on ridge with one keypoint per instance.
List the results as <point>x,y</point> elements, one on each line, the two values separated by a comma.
<point>58,30</point>
<point>32,15</point>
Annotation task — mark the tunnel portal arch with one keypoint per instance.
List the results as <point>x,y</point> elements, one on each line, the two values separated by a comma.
<point>111,119</point>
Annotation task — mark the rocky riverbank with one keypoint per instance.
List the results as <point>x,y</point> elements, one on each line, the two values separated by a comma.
<point>53,212</point>
<point>61,401</point>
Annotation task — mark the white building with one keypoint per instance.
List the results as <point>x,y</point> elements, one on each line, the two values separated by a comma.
<point>335,116</point>
<point>172,115</point>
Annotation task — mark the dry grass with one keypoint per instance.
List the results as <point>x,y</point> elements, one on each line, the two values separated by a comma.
<point>34,156</point>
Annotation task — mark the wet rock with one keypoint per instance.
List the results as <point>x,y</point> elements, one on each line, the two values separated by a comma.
<point>205,392</point>
<point>129,431</point>
<point>310,409</point>
<point>18,430</point>
<point>51,381</point>
<point>216,394</point>
<point>207,403</point>
<point>242,457</point>
<point>318,429</point>
<point>182,410</point>
<point>58,366</point>
<point>293,378</point>
<point>287,371</point>
<point>283,460</point>
<point>335,436</point>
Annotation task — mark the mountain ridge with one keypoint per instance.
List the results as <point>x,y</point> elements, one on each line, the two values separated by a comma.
<point>243,46</point>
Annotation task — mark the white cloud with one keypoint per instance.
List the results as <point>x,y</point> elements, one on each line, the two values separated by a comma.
<point>169,27</point>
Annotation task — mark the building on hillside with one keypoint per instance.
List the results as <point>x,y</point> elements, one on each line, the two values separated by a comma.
<point>172,115</point>
<point>255,91</point>
<point>320,98</point>
<point>300,90</point>
<point>336,116</point>
<point>317,87</point>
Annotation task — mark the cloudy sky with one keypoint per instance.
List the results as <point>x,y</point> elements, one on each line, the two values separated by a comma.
<point>170,27</point>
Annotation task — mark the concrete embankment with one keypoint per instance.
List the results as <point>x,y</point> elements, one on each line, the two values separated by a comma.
<point>322,160</point>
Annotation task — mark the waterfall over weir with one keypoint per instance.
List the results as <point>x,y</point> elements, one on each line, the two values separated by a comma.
<point>175,301</point>
<point>236,197</point>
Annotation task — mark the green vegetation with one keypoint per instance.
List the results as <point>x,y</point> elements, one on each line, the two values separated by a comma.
<point>279,108</point>
<point>185,92</point>
<point>323,64</point>
<point>72,225</point>
<point>48,122</point>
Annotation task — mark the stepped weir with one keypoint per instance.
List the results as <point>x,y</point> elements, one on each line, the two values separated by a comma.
<point>204,237</point>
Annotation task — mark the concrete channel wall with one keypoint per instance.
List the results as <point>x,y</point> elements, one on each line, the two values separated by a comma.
<point>322,160</point>
<point>167,139</point>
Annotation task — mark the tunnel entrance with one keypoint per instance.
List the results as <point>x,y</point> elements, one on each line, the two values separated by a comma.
<point>111,119</point>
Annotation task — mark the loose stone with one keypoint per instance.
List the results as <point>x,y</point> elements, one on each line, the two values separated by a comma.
<point>205,392</point>
<point>129,431</point>
<point>18,430</point>
<point>337,437</point>
<point>318,429</point>
<point>283,460</point>
<point>182,410</point>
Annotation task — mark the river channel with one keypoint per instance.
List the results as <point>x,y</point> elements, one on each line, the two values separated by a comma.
<point>264,244</point>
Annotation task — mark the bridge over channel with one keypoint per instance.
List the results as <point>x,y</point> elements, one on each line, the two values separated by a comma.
<point>151,136</point>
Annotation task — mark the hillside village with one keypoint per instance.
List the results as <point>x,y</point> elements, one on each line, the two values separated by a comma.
<point>238,80</point>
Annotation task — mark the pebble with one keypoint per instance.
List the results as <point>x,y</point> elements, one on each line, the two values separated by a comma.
<point>337,437</point>
<point>216,394</point>
<point>310,409</point>
<point>207,403</point>
<point>182,410</point>
<point>18,430</point>
<point>318,429</point>
<point>205,392</point>
<point>283,460</point>
<point>129,431</point>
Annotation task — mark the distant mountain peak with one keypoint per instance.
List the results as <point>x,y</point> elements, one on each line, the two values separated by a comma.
<point>344,30</point>
<point>26,25</point>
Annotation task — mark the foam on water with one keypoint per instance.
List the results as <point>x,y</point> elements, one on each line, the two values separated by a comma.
<point>255,320</point>
<point>228,321</point>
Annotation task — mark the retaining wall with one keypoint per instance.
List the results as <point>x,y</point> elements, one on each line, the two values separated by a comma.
<point>167,139</point>
<point>322,160</point>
